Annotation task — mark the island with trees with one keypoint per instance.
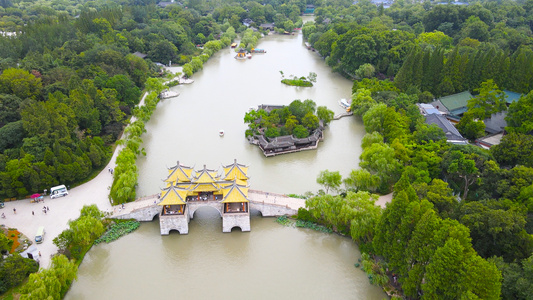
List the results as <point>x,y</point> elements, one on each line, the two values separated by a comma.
<point>299,81</point>
<point>287,129</point>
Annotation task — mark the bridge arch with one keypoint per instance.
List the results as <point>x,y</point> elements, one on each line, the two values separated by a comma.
<point>194,206</point>
<point>236,226</point>
<point>174,229</point>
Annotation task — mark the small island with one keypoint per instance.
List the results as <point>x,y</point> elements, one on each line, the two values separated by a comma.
<point>279,129</point>
<point>299,81</point>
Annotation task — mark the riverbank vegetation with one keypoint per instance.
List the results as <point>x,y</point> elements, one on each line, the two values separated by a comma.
<point>73,244</point>
<point>14,268</point>
<point>117,230</point>
<point>73,73</point>
<point>298,119</point>
<point>457,211</point>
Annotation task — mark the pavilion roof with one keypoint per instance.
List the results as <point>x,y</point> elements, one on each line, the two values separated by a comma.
<point>179,173</point>
<point>205,187</point>
<point>235,171</point>
<point>235,193</point>
<point>173,196</point>
<point>205,176</point>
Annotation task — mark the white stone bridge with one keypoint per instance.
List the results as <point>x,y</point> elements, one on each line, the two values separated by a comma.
<point>268,204</point>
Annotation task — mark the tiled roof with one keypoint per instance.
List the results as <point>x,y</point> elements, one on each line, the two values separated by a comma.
<point>451,132</point>
<point>456,101</point>
<point>511,96</point>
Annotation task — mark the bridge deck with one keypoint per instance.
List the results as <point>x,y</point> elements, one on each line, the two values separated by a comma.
<point>253,195</point>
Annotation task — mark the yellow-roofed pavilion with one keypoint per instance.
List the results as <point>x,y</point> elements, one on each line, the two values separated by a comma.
<point>188,189</point>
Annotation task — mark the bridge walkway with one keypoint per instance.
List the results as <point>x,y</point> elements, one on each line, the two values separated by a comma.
<point>255,196</point>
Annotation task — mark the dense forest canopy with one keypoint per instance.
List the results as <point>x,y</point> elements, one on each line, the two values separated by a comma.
<point>481,199</point>
<point>72,73</point>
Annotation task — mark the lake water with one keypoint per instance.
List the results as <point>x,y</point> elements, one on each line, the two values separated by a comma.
<point>271,261</point>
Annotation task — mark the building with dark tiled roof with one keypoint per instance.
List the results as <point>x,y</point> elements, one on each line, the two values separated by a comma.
<point>452,134</point>
<point>139,54</point>
<point>267,26</point>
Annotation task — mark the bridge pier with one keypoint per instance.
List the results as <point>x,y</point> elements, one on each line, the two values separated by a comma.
<point>241,220</point>
<point>174,222</point>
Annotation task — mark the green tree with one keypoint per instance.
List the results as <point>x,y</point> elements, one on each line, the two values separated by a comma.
<point>310,121</point>
<point>14,269</point>
<point>364,216</point>
<point>490,100</point>
<point>324,114</point>
<point>519,116</point>
<point>514,149</point>
<point>471,128</point>
<point>379,160</point>
<point>461,168</point>
<point>362,101</point>
<point>361,180</point>
<point>330,180</point>
<point>20,83</point>
<point>52,283</point>
<point>457,272</point>
<point>497,230</point>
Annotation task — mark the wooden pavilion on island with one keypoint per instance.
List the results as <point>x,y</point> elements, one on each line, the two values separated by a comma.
<point>188,190</point>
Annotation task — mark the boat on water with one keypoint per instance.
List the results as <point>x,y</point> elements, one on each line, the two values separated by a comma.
<point>241,54</point>
<point>168,94</point>
<point>249,55</point>
<point>346,104</point>
<point>221,132</point>
<point>233,45</point>
<point>258,50</point>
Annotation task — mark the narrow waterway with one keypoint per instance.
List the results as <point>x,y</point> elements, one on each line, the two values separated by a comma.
<point>271,261</point>
<point>186,128</point>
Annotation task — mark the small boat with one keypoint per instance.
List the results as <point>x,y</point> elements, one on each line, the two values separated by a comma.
<point>249,55</point>
<point>233,45</point>
<point>221,132</point>
<point>258,50</point>
<point>345,103</point>
<point>241,54</point>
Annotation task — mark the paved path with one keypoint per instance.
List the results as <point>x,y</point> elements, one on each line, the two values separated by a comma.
<point>62,209</point>
<point>119,210</point>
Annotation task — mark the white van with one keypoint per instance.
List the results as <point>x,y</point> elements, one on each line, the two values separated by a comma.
<point>58,191</point>
<point>39,237</point>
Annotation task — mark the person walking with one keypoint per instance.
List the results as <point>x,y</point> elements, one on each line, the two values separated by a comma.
<point>48,208</point>
<point>32,213</point>
<point>14,210</point>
